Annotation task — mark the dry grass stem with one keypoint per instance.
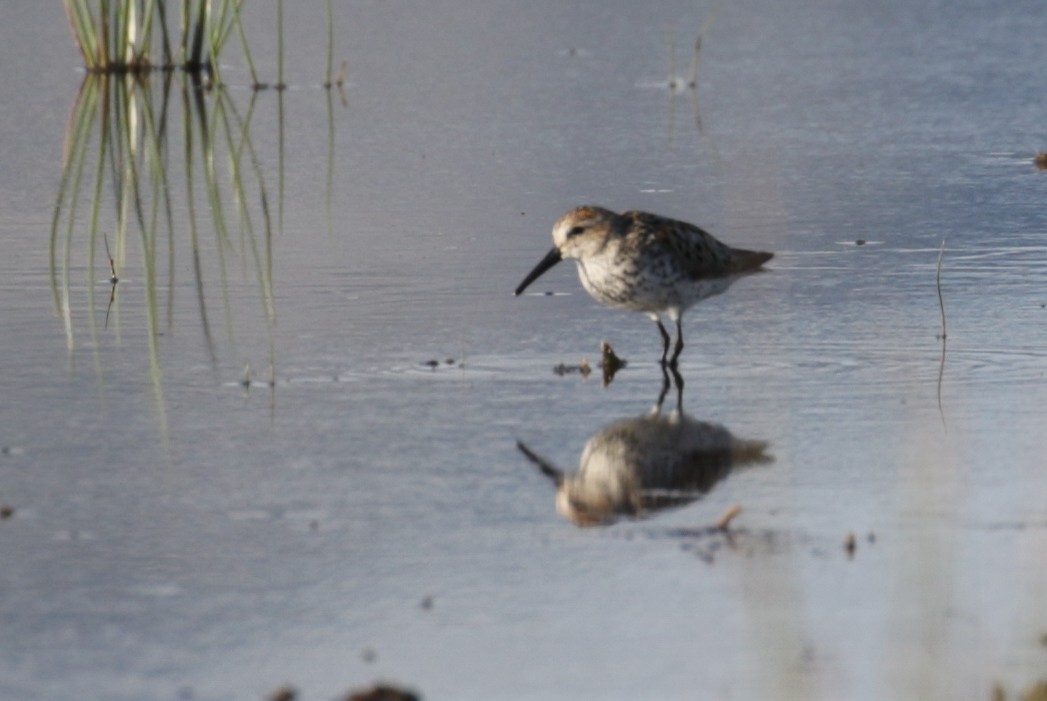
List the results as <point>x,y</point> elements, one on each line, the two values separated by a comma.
<point>725,521</point>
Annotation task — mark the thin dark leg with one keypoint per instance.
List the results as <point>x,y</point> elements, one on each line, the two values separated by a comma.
<point>665,340</point>
<point>678,381</point>
<point>679,343</point>
<point>665,386</point>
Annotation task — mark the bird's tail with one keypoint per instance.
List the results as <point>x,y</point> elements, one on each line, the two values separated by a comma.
<point>744,261</point>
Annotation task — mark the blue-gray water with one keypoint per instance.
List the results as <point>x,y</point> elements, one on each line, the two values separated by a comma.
<point>177,537</point>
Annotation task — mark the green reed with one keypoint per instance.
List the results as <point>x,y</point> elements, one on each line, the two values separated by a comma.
<point>139,36</point>
<point>156,162</point>
<point>136,36</point>
<point>280,84</point>
<point>330,42</point>
<point>938,287</point>
<point>121,169</point>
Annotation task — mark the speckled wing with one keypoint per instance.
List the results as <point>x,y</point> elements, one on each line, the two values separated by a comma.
<point>697,252</point>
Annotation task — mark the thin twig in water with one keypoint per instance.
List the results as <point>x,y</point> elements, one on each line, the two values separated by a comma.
<point>942,336</point>
<point>696,56</point>
<point>113,279</point>
<point>938,284</point>
<point>112,265</point>
<point>280,84</point>
<point>725,521</point>
<point>673,80</point>
<point>941,375</point>
<point>330,43</point>
<point>109,307</point>
<point>340,83</point>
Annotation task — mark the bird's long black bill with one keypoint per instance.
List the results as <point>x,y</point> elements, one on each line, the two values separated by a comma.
<point>549,261</point>
<point>547,468</point>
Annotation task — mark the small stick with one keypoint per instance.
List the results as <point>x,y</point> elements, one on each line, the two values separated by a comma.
<point>849,544</point>
<point>938,284</point>
<point>284,693</point>
<point>673,83</point>
<point>112,264</point>
<point>725,521</point>
<point>610,363</point>
<point>696,57</point>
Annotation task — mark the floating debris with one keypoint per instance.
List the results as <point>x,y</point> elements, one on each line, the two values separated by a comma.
<point>339,80</point>
<point>113,279</point>
<point>382,692</point>
<point>6,512</point>
<point>849,544</point>
<point>860,242</point>
<point>1038,692</point>
<point>610,363</point>
<point>283,693</point>
<point>582,369</point>
<point>707,543</point>
<point>433,363</point>
<point>1040,160</point>
<point>725,521</point>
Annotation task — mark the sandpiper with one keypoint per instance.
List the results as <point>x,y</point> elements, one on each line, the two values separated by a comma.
<point>637,466</point>
<point>646,263</point>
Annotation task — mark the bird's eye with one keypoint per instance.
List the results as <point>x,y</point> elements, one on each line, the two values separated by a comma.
<point>575,231</point>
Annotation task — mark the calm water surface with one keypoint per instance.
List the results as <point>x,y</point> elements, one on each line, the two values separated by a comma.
<point>176,535</point>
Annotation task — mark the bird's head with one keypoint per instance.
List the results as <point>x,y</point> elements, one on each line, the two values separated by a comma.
<point>581,232</point>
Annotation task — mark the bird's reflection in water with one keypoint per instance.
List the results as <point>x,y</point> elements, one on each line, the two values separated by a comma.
<point>636,467</point>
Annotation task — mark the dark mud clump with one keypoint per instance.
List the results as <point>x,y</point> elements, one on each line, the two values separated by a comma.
<point>382,692</point>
